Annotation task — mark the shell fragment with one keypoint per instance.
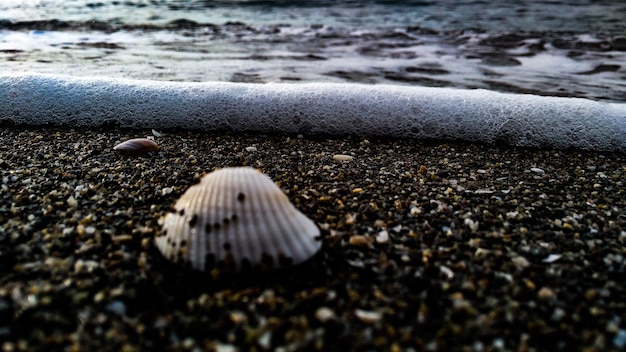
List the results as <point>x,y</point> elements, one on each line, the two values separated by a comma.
<point>137,145</point>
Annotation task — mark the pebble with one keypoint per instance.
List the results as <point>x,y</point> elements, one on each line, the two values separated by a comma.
<point>366,316</point>
<point>325,314</point>
<point>537,170</point>
<point>343,157</point>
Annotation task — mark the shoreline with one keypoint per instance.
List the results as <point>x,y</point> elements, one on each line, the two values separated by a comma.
<point>427,245</point>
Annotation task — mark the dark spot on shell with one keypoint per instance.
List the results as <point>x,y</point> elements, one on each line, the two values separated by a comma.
<point>207,228</point>
<point>246,265</point>
<point>241,197</point>
<point>162,233</point>
<point>171,209</point>
<point>284,260</point>
<point>181,212</point>
<point>226,221</point>
<point>217,226</point>
<point>183,243</point>
<point>228,262</point>
<point>169,241</point>
<point>226,246</point>
<point>209,261</point>
<point>267,259</point>
<point>193,221</point>
<point>234,217</point>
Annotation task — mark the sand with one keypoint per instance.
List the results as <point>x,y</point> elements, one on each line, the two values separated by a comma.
<point>426,246</point>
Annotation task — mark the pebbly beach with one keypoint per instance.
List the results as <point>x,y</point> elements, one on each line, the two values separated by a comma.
<point>427,245</point>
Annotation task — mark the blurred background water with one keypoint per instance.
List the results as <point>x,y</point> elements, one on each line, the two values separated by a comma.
<point>562,48</point>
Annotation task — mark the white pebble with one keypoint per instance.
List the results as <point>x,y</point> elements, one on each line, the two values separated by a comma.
<point>537,170</point>
<point>552,258</point>
<point>367,316</point>
<point>343,157</point>
<point>382,237</point>
<point>324,314</point>
<point>72,202</point>
<point>251,149</point>
<point>447,272</point>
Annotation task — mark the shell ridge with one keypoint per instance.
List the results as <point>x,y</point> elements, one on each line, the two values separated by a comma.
<point>195,255</point>
<point>305,231</point>
<point>181,222</point>
<point>289,243</point>
<point>220,189</point>
<point>203,243</point>
<point>297,247</point>
<point>274,221</point>
<point>260,211</point>
<point>235,238</point>
<point>250,250</point>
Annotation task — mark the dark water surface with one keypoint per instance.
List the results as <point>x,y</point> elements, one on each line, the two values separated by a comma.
<point>561,48</point>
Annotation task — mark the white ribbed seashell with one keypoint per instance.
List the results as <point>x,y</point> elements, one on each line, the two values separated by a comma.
<point>137,145</point>
<point>237,219</point>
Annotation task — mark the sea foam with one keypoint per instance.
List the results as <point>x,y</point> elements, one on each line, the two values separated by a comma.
<point>316,108</point>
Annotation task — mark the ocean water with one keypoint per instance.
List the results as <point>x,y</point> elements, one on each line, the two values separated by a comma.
<point>552,48</point>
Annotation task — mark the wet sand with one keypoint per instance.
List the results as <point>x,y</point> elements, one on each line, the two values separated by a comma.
<point>426,245</point>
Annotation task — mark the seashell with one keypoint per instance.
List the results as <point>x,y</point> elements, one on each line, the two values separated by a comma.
<point>137,145</point>
<point>237,219</point>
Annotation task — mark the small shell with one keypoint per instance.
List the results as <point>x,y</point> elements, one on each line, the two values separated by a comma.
<point>237,219</point>
<point>137,145</point>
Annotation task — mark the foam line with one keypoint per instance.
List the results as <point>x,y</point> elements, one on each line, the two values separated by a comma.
<point>338,109</point>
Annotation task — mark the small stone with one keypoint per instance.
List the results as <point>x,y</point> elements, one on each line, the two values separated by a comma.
<point>360,241</point>
<point>117,307</point>
<point>619,340</point>
<point>552,258</point>
<point>447,272</point>
<point>251,149</point>
<point>537,170</point>
<point>86,265</point>
<point>545,293</point>
<point>238,317</point>
<point>324,314</point>
<point>72,202</point>
<point>382,236</point>
<point>367,316</point>
<point>520,262</point>
<point>343,157</point>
